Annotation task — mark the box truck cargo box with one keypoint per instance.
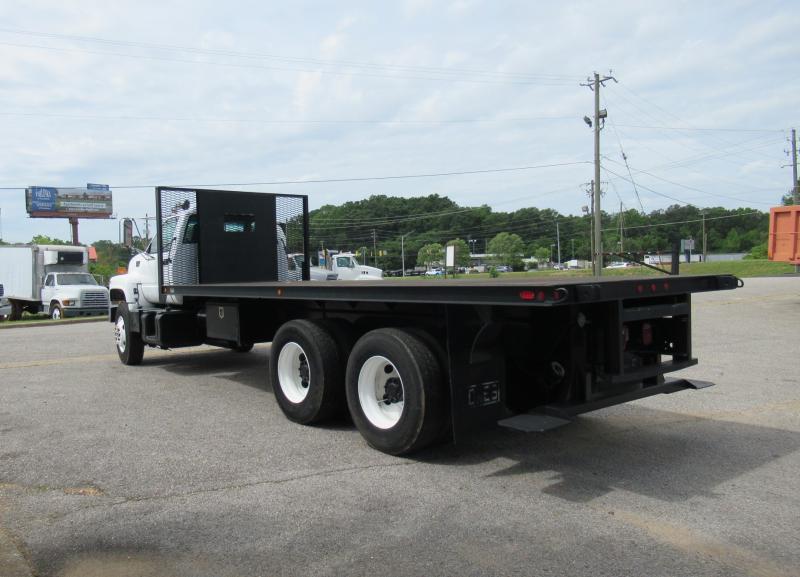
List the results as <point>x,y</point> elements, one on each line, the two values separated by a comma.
<point>784,223</point>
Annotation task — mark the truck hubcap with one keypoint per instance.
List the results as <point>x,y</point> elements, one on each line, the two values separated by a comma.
<point>294,373</point>
<point>119,334</point>
<point>380,392</point>
<point>56,314</point>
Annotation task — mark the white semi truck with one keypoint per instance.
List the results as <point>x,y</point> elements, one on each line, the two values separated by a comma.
<point>412,362</point>
<point>53,279</point>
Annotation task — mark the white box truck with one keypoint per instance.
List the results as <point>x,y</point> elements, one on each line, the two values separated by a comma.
<point>53,279</point>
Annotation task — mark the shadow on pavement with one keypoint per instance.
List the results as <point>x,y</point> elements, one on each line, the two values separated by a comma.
<point>658,454</point>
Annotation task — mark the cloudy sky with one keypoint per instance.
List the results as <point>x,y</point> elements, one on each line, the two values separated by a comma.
<point>141,93</point>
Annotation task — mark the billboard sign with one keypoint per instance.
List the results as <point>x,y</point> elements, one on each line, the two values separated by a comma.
<point>94,201</point>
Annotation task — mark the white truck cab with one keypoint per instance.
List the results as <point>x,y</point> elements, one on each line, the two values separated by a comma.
<point>347,267</point>
<point>69,294</point>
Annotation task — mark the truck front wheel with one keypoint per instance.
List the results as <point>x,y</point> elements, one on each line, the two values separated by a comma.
<point>307,372</point>
<point>130,347</point>
<point>395,391</point>
<point>55,312</point>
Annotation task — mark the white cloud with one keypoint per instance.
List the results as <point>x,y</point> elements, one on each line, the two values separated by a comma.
<point>691,64</point>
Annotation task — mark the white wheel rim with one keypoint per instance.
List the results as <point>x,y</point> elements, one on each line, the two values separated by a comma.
<point>294,373</point>
<point>380,392</point>
<point>119,334</point>
<point>56,313</point>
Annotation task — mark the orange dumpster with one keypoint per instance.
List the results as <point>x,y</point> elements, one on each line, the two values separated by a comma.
<point>784,225</point>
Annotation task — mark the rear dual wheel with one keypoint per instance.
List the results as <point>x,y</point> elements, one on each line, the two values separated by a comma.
<point>307,371</point>
<point>395,391</point>
<point>391,382</point>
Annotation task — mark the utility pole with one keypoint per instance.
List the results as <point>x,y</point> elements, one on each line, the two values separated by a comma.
<point>403,250</point>
<point>704,237</point>
<point>795,184</point>
<point>595,84</point>
<point>374,250</point>
<point>558,242</point>
<point>589,210</point>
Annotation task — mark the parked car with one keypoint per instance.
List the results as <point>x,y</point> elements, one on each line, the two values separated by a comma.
<point>503,268</point>
<point>434,272</point>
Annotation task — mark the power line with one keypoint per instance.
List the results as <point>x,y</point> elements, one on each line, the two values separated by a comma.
<point>758,212</point>
<point>699,129</point>
<point>348,179</point>
<point>625,158</point>
<point>640,171</point>
<point>650,189</point>
<point>667,112</point>
<point>290,59</point>
<point>281,69</point>
<point>138,118</point>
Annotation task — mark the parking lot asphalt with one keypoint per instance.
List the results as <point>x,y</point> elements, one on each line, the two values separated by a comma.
<point>186,466</point>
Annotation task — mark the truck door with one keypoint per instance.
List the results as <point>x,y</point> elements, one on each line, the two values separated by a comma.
<point>48,290</point>
<point>146,272</point>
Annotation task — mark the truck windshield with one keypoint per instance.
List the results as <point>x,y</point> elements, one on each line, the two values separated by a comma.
<point>344,262</point>
<point>74,278</point>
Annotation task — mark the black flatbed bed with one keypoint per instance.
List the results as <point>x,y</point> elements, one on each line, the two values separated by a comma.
<point>554,290</point>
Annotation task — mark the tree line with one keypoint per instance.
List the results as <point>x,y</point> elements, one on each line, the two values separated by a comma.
<point>382,228</point>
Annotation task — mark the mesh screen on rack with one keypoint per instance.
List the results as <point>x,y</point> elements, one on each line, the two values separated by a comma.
<point>178,256</point>
<point>289,216</point>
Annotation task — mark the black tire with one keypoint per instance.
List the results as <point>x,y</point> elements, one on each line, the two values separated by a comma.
<point>16,310</point>
<point>131,350</point>
<point>56,312</point>
<point>344,334</point>
<point>423,415</point>
<point>308,379</point>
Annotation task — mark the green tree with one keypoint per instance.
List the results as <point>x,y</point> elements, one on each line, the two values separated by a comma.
<point>758,252</point>
<point>462,251</point>
<point>44,239</point>
<point>508,249</point>
<point>542,254</point>
<point>429,254</point>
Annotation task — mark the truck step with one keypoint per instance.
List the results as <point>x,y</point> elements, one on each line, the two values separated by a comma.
<point>533,422</point>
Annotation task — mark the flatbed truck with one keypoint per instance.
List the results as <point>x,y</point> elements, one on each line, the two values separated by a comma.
<point>412,362</point>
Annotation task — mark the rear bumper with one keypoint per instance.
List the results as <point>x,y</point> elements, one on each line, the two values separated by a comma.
<point>549,417</point>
